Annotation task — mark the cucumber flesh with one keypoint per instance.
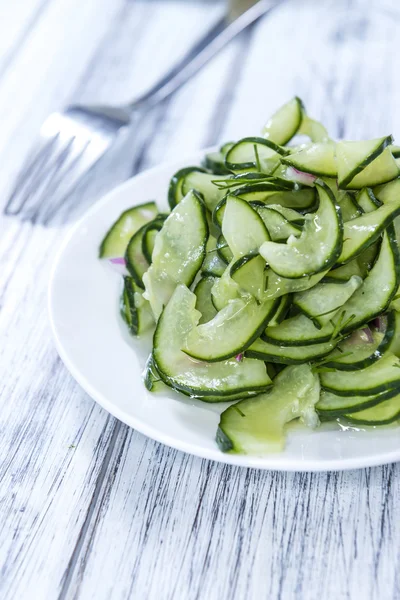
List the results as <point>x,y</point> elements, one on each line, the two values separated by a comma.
<point>257,425</point>
<point>203,184</point>
<point>204,303</point>
<point>314,130</point>
<point>279,228</point>
<point>382,414</point>
<point>175,194</point>
<point>289,355</point>
<point>316,159</point>
<point>178,252</point>
<point>331,406</point>
<point>285,122</point>
<point>248,273</point>
<point>360,351</point>
<point>367,201</point>
<point>242,227</point>
<point>322,232</point>
<point>382,375</point>
<point>231,331</point>
<point>212,264</point>
<point>136,262</point>
<point>117,238</point>
<point>196,378</point>
<point>354,157</point>
<point>382,169</point>
<point>254,154</point>
<point>344,272</point>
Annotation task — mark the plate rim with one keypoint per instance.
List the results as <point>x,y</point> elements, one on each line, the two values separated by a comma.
<point>266,462</point>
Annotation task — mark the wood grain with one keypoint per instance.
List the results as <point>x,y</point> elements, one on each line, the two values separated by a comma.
<point>90,508</point>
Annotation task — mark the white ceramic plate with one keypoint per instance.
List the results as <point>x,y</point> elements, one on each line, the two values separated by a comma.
<point>108,364</point>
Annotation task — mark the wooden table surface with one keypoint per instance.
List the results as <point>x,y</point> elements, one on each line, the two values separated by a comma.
<point>90,508</point>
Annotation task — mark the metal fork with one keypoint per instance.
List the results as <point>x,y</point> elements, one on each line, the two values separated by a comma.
<point>73,140</point>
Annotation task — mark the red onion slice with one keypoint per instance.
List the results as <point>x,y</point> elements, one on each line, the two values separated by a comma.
<point>300,176</point>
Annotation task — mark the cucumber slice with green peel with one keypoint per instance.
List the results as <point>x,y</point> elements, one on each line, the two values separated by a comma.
<point>224,252</point>
<point>279,228</point>
<point>149,236</point>
<point>178,253</point>
<point>248,273</point>
<point>363,348</point>
<point>367,201</point>
<point>204,303</point>
<point>225,289</point>
<point>285,122</point>
<point>322,232</point>
<point>360,233</point>
<point>344,272</point>
<point>231,331</point>
<point>215,162</point>
<point>298,331</point>
<point>276,286</point>
<point>282,310</point>
<point>323,301</point>
<point>348,207</point>
<point>314,130</point>
<point>175,194</point>
<point>257,425</point>
<point>388,192</point>
<point>394,344</point>
<point>203,184</point>
<point>135,310</point>
<point>117,238</point>
<point>136,262</point>
<point>254,154</point>
<point>382,414</point>
<point>382,375</point>
<point>354,157</point>
<point>212,264</point>
<point>395,150</point>
<point>379,287</point>
<point>290,214</point>
<point>332,406</point>
<point>289,355</point>
<point>381,170</point>
<point>196,378</point>
<point>316,159</point>
<point>367,258</point>
<point>242,227</point>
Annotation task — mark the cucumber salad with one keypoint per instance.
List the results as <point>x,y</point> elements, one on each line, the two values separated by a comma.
<point>272,285</point>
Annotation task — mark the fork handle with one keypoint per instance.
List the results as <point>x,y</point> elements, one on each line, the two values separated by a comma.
<point>216,39</point>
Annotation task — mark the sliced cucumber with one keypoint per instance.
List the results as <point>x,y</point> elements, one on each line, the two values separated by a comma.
<point>224,252</point>
<point>331,406</point>
<point>382,414</point>
<point>248,273</point>
<point>242,227</point>
<point>344,272</point>
<point>359,350</point>
<point>175,193</point>
<point>231,331</point>
<point>117,238</point>
<point>282,310</point>
<point>360,233</point>
<point>203,184</point>
<point>135,310</point>
<point>323,301</point>
<point>354,157</point>
<point>382,375</point>
<point>212,264</point>
<point>204,303</point>
<point>149,236</point>
<point>348,207</point>
<point>290,214</point>
<point>285,122</point>
<point>215,162</point>
<point>195,378</point>
<point>136,262</point>
<point>382,169</point>
<point>322,232</point>
<point>367,258</point>
<point>257,426</point>
<point>316,159</point>
<point>254,154</point>
<point>380,285</point>
<point>290,355</point>
<point>314,130</point>
<point>279,228</point>
<point>178,252</point>
<point>367,201</point>
<point>297,331</point>
<point>389,192</point>
<point>276,286</point>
